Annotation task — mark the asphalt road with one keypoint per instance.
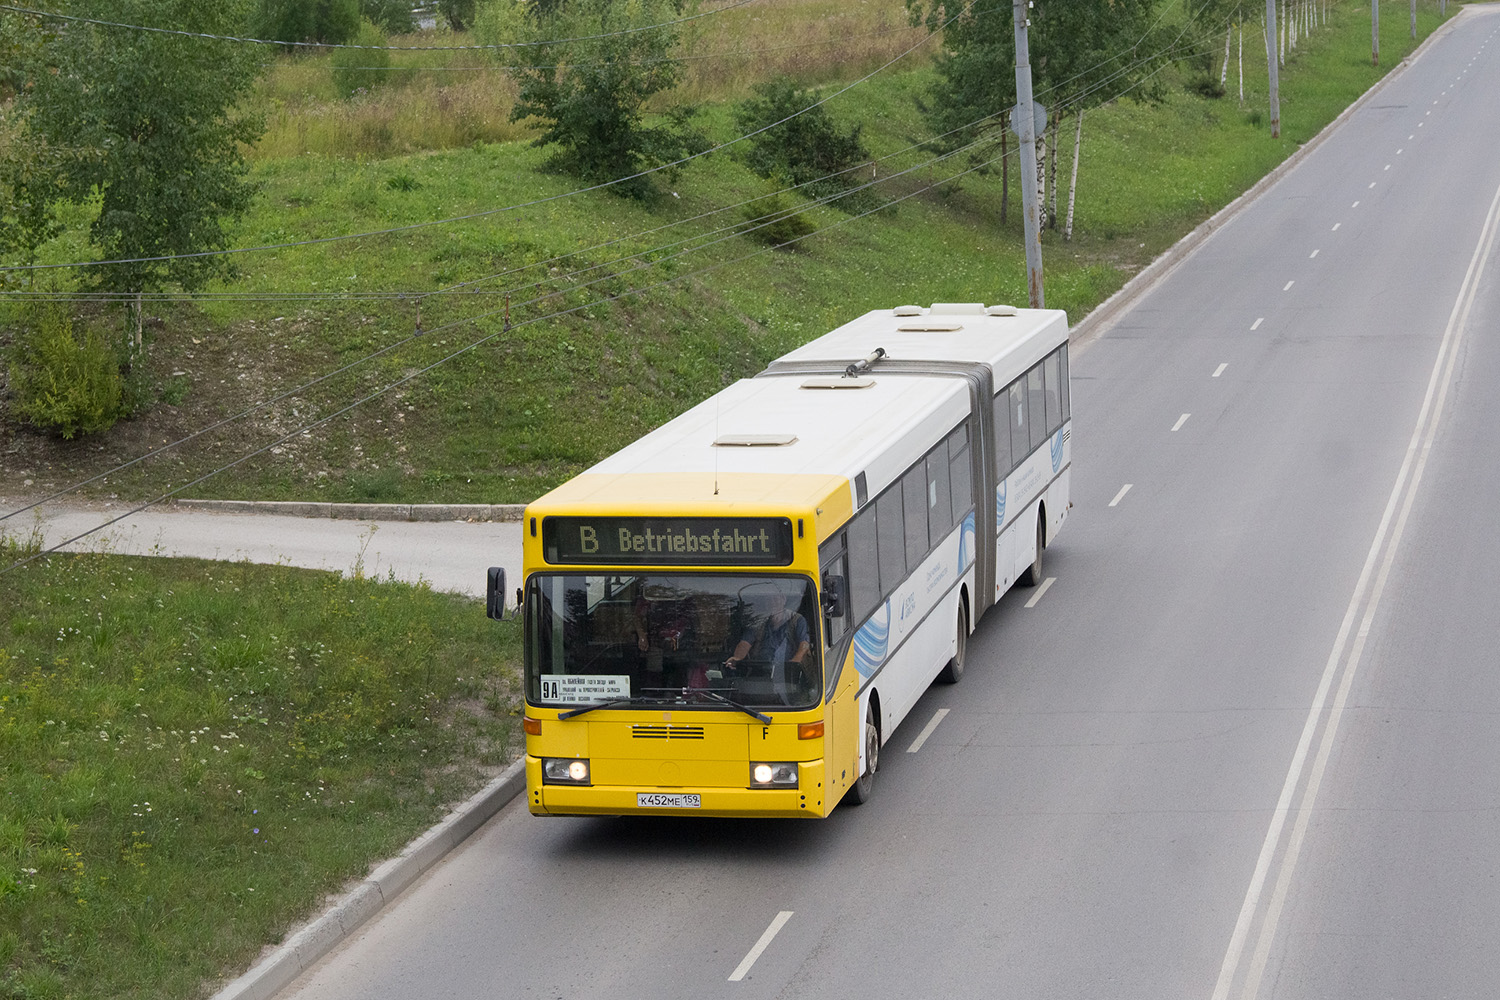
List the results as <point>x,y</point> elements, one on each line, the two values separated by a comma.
<point>448,555</point>
<point>1245,745</point>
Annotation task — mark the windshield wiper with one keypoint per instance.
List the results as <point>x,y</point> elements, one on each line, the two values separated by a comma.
<point>570,713</point>
<point>766,719</point>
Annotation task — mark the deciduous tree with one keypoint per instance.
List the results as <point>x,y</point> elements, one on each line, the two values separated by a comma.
<point>150,125</point>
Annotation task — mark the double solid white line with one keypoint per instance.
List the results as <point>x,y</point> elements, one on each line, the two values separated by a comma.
<point>1367,594</point>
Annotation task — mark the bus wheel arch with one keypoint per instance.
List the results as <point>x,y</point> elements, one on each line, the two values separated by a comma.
<point>864,786</point>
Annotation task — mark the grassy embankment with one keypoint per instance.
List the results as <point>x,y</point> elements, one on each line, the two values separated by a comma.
<point>193,754</point>
<point>537,403</point>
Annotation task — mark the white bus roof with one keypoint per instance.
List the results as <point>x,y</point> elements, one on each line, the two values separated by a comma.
<point>878,430</point>
<point>1008,340</point>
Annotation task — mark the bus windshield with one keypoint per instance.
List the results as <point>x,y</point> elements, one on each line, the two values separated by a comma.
<point>672,638</point>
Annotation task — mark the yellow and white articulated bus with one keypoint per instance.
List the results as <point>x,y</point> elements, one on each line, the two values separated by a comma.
<point>731,616</point>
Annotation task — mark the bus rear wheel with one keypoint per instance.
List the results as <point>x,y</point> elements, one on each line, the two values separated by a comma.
<point>954,671</point>
<point>864,785</point>
<point>1033,574</point>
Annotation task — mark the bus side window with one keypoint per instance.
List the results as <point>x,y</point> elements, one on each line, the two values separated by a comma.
<point>890,534</point>
<point>1051,369</point>
<point>864,568</point>
<point>914,493</point>
<point>961,474</point>
<point>1003,459</point>
<point>1036,410</point>
<point>1064,388</point>
<point>939,503</point>
<point>1020,440</point>
<point>834,562</point>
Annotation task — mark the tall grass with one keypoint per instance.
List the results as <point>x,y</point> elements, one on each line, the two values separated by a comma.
<point>434,99</point>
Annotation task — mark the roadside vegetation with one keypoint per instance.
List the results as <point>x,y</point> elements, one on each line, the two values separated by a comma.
<point>667,296</point>
<point>194,754</point>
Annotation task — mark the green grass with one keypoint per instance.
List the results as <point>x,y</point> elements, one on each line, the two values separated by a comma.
<point>193,754</point>
<point>543,400</point>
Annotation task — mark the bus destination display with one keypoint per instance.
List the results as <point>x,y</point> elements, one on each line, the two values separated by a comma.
<point>678,541</point>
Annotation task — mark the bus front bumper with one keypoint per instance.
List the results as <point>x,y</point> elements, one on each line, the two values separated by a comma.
<point>806,801</point>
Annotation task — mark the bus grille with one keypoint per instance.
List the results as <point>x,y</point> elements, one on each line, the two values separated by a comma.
<point>666,732</point>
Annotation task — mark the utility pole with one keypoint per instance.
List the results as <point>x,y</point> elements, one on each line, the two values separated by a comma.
<point>1374,32</point>
<point>1413,19</point>
<point>1271,61</point>
<point>1026,128</point>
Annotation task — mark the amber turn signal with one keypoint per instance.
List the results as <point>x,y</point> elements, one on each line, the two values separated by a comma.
<point>532,726</point>
<point>809,730</point>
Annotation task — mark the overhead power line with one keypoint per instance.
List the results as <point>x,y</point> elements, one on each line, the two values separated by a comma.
<point>387,48</point>
<point>735,230</point>
<point>507,208</point>
<point>309,426</point>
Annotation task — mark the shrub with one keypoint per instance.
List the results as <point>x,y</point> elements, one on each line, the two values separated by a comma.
<point>809,148</point>
<point>332,22</point>
<point>774,220</point>
<point>65,383</point>
<point>587,81</point>
<point>393,16</point>
<point>359,69</point>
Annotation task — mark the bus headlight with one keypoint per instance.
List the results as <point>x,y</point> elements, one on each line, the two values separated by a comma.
<point>781,774</point>
<point>565,771</point>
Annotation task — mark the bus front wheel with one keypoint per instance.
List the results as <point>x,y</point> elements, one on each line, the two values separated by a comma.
<point>1033,574</point>
<point>864,785</point>
<point>955,668</point>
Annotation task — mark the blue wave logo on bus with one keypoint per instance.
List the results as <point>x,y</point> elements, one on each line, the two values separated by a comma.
<point>1000,505</point>
<point>1057,450</point>
<point>872,641</point>
<point>966,543</point>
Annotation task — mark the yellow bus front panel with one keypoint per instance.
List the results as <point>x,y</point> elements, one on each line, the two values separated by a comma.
<point>656,762</point>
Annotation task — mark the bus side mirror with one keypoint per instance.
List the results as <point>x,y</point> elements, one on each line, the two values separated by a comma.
<point>833,596</point>
<point>494,594</point>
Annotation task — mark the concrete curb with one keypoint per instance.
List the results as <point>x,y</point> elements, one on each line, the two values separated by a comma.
<point>1104,315</point>
<point>363,511</point>
<point>307,945</point>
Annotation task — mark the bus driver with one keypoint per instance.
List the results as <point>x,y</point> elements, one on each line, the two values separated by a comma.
<point>781,637</point>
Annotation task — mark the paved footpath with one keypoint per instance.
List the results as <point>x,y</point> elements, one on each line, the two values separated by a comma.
<point>450,555</point>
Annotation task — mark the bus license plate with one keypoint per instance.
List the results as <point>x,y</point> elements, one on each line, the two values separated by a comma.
<point>657,800</point>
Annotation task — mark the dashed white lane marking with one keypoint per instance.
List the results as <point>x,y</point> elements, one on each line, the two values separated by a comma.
<point>916,744</point>
<point>1289,284</point>
<point>1400,151</point>
<point>1040,591</point>
<point>1372,184</point>
<point>1180,421</point>
<point>1411,137</point>
<point>1312,255</point>
<point>1220,370</point>
<point>1387,166</point>
<point>1256,325</point>
<point>760,946</point>
<point>1355,205</point>
<point>1121,495</point>
<point>1336,227</point>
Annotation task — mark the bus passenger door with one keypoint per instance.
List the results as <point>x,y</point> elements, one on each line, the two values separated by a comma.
<point>841,722</point>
